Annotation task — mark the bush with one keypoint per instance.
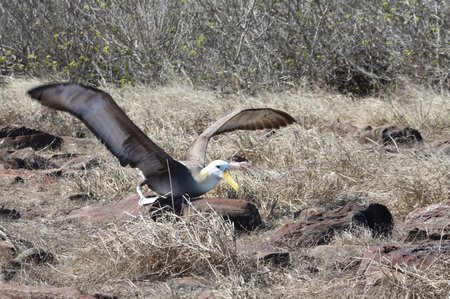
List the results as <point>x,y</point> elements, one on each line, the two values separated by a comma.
<point>351,46</point>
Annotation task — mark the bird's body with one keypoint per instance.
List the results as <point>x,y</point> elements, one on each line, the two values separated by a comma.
<point>163,174</point>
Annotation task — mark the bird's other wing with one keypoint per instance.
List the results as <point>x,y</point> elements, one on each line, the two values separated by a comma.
<point>98,111</point>
<point>246,119</point>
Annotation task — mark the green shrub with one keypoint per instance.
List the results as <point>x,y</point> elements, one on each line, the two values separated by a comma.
<point>350,46</point>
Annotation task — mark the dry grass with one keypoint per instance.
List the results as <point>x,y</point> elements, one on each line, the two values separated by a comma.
<point>295,168</point>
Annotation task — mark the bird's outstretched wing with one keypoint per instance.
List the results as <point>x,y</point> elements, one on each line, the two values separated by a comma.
<point>98,111</point>
<point>246,119</point>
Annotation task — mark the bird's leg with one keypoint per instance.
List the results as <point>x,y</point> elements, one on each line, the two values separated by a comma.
<point>139,190</point>
<point>142,199</point>
<point>187,199</point>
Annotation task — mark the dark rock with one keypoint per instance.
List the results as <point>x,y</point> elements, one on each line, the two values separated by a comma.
<point>317,227</point>
<point>104,296</point>
<point>9,213</point>
<point>384,135</point>
<point>23,137</point>
<point>80,134</point>
<point>13,291</point>
<point>80,196</point>
<point>237,158</point>
<point>27,159</point>
<point>276,257</point>
<point>388,134</point>
<point>377,261</point>
<point>431,222</point>
<point>377,218</point>
<point>243,214</point>
<point>18,180</point>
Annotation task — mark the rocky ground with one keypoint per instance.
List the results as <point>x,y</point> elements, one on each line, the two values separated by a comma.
<point>342,208</point>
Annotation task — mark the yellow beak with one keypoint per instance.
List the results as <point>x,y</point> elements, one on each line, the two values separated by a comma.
<point>229,179</point>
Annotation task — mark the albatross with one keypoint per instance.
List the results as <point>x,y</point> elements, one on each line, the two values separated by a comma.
<point>161,173</point>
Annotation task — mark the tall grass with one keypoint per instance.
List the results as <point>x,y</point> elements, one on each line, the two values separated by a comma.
<point>298,167</point>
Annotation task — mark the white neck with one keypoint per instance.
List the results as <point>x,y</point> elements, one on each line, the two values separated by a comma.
<point>206,181</point>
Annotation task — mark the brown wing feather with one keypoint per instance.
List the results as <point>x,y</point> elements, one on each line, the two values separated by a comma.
<point>247,119</point>
<point>108,122</point>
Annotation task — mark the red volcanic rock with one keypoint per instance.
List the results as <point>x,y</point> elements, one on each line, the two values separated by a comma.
<point>431,222</point>
<point>105,213</point>
<point>242,213</point>
<point>22,137</point>
<point>318,227</point>
<point>25,158</point>
<point>379,260</point>
<point>388,134</point>
<point>384,135</point>
<point>16,291</point>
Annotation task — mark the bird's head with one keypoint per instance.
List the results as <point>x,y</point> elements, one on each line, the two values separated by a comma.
<point>220,169</point>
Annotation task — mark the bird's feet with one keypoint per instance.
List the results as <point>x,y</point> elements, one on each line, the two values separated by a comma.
<point>143,201</point>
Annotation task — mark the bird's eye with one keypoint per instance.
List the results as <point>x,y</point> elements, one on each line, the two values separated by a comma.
<point>218,166</point>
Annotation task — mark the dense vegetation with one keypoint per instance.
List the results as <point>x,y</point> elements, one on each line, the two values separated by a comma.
<point>350,46</point>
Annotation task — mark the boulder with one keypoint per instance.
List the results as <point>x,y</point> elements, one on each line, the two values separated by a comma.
<point>430,222</point>
<point>378,261</point>
<point>6,213</point>
<point>19,137</point>
<point>105,213</point>
<point>384,135</point>
<point>13,291</point>
<point>388,134</point>
<point>27,159</point>
<point>243,214</point>
<point>317,227</point>
<point>376,217</point>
